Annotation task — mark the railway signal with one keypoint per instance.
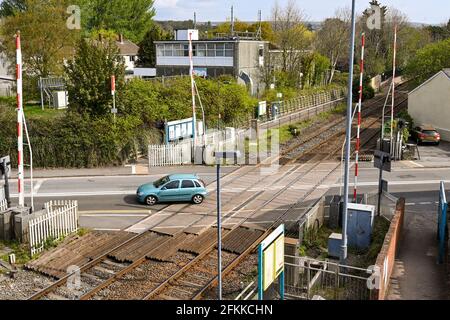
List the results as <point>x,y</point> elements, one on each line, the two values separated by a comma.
<point>220,156</point>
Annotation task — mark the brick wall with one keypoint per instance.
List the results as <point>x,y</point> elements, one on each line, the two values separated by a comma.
<point>386,257</point>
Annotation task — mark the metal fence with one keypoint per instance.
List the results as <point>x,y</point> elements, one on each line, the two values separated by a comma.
<point>307,101</point>
<point>307,278</point>
<point>311,279</point>
<point>60,218</point>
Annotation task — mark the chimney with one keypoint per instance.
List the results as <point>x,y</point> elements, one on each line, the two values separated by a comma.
<point>121,38</point>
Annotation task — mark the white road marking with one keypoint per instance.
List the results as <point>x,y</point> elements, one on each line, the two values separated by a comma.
<point>417,164</point>
<point>105,229</point>
<point>146,212</point>
<point>38,185</point>
<point>425,202</point>
<point>104,215</point>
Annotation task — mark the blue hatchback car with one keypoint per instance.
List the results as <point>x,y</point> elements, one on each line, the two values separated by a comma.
<point>173,188</point>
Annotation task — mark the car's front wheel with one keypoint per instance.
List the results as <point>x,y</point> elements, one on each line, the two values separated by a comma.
<point>197,199</point>
<point>151,200</point>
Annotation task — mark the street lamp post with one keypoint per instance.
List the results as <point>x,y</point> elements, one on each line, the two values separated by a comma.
<point>348,136</point>
<point>219,157</point>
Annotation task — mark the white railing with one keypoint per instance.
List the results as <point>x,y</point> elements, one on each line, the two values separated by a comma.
<point>170,154</point>
<point>60,219</point>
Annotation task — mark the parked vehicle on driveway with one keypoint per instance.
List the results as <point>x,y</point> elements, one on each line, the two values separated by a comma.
<point>426,134</point>
<point>173,188</point>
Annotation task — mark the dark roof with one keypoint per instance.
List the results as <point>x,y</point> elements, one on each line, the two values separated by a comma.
<point>447,72</point>
<point>127,48</point>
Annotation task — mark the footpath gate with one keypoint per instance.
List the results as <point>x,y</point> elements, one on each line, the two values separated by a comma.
<point>170,154</point>
<point>59,219</point>
<point>442,232</point>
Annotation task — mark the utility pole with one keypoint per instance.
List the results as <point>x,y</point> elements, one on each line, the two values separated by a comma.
<point>348,136</point>
<point>232,21</point>
<point>20,173</point>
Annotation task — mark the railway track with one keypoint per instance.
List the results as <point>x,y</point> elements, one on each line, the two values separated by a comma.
<point>173,254</point>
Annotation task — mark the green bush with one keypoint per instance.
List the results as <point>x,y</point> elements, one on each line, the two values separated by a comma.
<point>75,140</point>
<point>153,101</point>
<point>368,91</point>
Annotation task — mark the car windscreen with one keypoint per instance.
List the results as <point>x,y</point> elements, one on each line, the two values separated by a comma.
<point>429,132</point>
<point>160,182</point>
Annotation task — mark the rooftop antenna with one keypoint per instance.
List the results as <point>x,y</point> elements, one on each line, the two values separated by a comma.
<point>259,32</point>
<point>195,20</point>
<point>232,21</point>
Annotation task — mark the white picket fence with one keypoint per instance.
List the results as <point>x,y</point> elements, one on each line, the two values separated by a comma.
<point>170,154</point>
<point>59,220</point>
<point>3,201</point>
<point>3,205</point>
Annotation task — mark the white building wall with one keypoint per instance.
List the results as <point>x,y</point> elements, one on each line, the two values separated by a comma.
<point>129,65</point>
<point>430,104</point>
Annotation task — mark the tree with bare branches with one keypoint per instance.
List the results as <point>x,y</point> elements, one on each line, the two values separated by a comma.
<point>332,38</point>
<point>292,38</point>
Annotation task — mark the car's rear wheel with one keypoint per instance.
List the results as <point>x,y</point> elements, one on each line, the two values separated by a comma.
<point>151,200</point>
<point>197,199</point>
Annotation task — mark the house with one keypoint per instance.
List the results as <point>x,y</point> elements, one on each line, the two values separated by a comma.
<point>6,78</point>
<point>240,55</point>
<point>129,52</point>
<point>430,103</point>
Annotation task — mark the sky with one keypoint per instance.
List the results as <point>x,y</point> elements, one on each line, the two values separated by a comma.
<point>422,11</point>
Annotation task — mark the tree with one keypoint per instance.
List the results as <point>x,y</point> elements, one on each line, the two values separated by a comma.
<point>11,7</point>
<point>240,26</point>
<point>132,18</point>
<point>332,39</point>
<point>292,38</point>
<point>376,45</point>
<point>147,49</point>
<point>46,42</point>
<point>439,33</point>
<point>428,61</point>
<point>89,75</point>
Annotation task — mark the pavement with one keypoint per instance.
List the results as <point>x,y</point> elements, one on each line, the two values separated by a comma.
<point>417,276</point>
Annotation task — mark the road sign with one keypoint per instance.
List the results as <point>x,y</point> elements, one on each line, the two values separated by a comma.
<point>271,261</point>
<point>180,129</point>
<point>382,160</point>
<point>114,110</point>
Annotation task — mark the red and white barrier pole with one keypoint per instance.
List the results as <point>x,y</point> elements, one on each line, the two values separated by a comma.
<point>20,174</point>
<point>358,131</point>
<point>113,93</point>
